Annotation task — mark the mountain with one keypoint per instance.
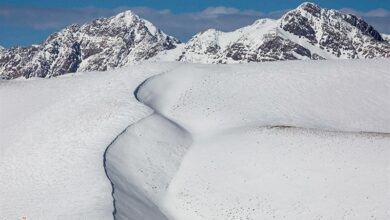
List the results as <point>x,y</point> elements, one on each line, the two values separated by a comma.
<point>307,32</point>
<point>103,44</point>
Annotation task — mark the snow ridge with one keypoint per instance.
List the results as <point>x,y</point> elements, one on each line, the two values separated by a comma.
<point>140,181</point>
<point>288,107</point>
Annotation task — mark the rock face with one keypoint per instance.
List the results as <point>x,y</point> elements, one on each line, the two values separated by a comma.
<point>103,44</point>
<point>307,32</point>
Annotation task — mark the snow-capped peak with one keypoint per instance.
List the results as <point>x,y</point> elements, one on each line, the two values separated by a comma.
<point>105,43</point>
<point>307,32</point>
<point>129,18</point>
<point>309,7</point>
<point>126,15</point>
<point>124,18</point>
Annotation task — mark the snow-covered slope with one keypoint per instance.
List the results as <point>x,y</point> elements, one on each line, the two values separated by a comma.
<point>286,140</point>
<point>330,95</point>
<point>103,44</point>
<point>256,131</point>
<point>53,134</point>
<point>307,32</point>
<point>386,37</point>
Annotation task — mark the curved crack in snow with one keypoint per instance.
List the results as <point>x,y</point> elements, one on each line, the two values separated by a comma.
<point>201,101</point>
<point>140,163</point>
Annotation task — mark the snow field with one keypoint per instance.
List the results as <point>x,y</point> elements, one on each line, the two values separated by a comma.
<point>287,140</point>
<point>53,136</point>
<point>281,140</point>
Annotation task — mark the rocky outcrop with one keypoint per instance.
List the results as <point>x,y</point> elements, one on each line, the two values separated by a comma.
<point>103,44</point>
<point>307,32</point>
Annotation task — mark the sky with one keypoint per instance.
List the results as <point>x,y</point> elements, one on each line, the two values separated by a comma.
<point>26,22</point>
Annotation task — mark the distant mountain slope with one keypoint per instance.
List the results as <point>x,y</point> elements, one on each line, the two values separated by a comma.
<point>307,32</point>
<point>386,37</point>
<point>103,44</point>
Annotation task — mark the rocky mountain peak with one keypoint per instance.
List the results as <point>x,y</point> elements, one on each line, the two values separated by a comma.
<point>342,35</point>
<point>302,19</point>
<point>311,8</point>
<point>105,43</point>
<point>307,32</point>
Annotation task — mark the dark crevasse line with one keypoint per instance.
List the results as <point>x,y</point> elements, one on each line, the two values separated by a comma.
<point>127,196</point>
<point>114,212</point>
<point>107,148</point>
<point>135,93</point>
<point>106,172</point>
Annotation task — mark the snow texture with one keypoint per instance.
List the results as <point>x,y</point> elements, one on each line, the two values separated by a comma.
<point>286,140</point>
<point>307,32</point>
<point>53,136</point>
<point>280,140</point>
<point>103,44</point>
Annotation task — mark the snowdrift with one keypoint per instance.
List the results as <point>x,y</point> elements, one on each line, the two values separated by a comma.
<point>142,162</point>
<point>53,135</point>
<point>282,140</point>
<point>291,140</point>
<point>331,95</point>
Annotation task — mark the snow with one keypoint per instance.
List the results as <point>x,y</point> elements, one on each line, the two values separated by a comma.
<point>307,32</point>
<point>142,162</point>
<point>168,55</point>
<point>287,140</point>
<point>332,95</point>
<point>303,42</point>
<point>53,136</point>
<point>252,36</point>
<point>283,173</point>
<point>280,140</point>
<point>386,37</point>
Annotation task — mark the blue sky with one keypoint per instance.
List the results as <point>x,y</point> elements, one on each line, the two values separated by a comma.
<point>24,22</point>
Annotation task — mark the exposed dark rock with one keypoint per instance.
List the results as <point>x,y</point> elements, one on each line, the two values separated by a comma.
<point>103,44</point>
<point>307,32</point>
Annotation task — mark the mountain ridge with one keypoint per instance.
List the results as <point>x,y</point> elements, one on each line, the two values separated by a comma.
<point>307,32</point>
<point>304,33</point>
<point>105,43</point>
